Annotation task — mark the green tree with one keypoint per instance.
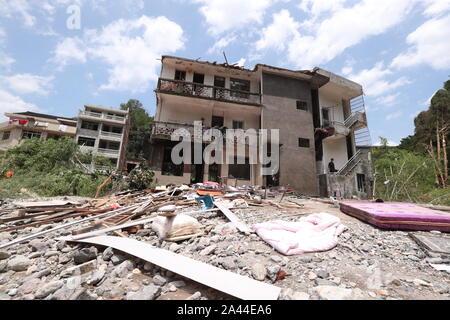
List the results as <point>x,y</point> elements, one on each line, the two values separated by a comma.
<point>140,130</point>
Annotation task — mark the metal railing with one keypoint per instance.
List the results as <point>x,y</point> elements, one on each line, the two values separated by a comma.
<point>209,92</point>
<point>351,164</point>
<point>102,116</point>
<point>111,135</point>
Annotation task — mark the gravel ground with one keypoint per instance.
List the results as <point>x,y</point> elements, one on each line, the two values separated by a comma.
<point>368,263</point>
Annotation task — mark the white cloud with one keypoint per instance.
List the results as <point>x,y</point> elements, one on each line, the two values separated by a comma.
<point>130,48</point>
<point>388,101</point>
<point>394,115</point>
<point>27,83</point>
<point>389,144</point>
<point>429,45</point>
<point>68,51</point>
<point>11,8</point>
<point>12,103</point>
<point>241,62</point>
<point>225,15</point>
<point>436,7</point>
<point>346,27</point>
<point>374,80</point>
<point>221,44</point>
<point>318,7</point>
<point>276,34</point>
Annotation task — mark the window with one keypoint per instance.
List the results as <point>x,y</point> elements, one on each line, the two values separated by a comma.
<point>302,105</point>
<point>219,82</point>
<point>6,135</point>
<point>199,78</point>
<point>89,125</point>
<point>180,75</point>
<point>110,145</point>
<point>361,182</point>
<point>240,85</point>
<point>238,125</point>
<point>107,128</point>
<point>31,134</point>
<point>303,143</point>
<point>239,171</point>
<point>168,167</point>
<point>326,117</point>
<point>87,142</point>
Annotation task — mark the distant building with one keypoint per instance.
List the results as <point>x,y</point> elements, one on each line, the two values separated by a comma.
<point>104,131</point>
<point>320,116</point>
<point>23,125</point>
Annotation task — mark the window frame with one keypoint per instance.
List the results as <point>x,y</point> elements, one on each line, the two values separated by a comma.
<point>305,106</point>
<point>238,122</point>
<point>87,139</point>
<point>6,133</point>
<point>246,176</point>
<point>34,134</point>
<point>301,145</point>
<point>180,72</point>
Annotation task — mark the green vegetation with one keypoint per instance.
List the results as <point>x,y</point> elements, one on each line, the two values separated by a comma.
<point>417,171</point>
<point>140,131</point>
<point>48,168</point>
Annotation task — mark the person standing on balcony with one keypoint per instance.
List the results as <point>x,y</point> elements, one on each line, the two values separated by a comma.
<point>332,167</point>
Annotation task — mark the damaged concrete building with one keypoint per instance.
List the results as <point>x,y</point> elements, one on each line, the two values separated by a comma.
<point>320,115</point>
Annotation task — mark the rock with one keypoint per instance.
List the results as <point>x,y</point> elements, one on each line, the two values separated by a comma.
<point>64,259</point>
<point>312,276</point>
<point>383,293</point>
<point>324,282</point>
<point>48,289</point>
<point>35,255</point>
<point>195,296</point>
<point>3,266</point>
<point>64,293</point>
<point>19,263</point>
<point>96,278</point>
<point>107,254</point>
<point>224,229</point>
<point>322,273</point>
<point>12,292</point>
<point>208,250</point>
<point>305,259</point>
<point>228,264</point>
<point>80,269</point>
<point>4,255</point>
<point>442,288</point>
<point>159,280</point>
<point>144,233</point>
<point>172,288</point>
<point>38,245</point>
<point>419,282</point>
<point>170,208</point>
<point>374,281</point>
<point>49,254</point>
<point>259,271</point>
<point>85,255</point>
<point>117,259</point>
<point>29,286</point>
<point>150,292</point>
<point>148,266</point>
<point>174,247</point>
<point>289,294</point>
<point>82,295</point>
<point>276,259</point>
<point>122,270</point>
<point>178,284</point>
<point>273,272</point>
<point>32,270</point>
<point>61,245</point>
<point>333,293</point>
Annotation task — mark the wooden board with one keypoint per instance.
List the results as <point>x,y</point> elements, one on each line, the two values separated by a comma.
<point>233,218</point>
<point>225,281</point>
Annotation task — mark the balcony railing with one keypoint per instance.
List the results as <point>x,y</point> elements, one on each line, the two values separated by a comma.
<point>356,121</point>
<point>351,164</point>
<point>102,116</point>
<point>208,92</point>
<point>109,152</point>
<point>166,129</point>
<point>117,136</point>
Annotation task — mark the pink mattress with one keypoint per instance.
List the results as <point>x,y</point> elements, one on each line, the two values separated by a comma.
<point>402,216</point>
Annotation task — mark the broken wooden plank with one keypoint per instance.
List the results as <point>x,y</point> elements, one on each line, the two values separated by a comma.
<point>222,280</point>
<point>233,218</point>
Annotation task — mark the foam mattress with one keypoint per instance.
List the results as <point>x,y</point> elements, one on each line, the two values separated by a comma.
<point>401,216</point>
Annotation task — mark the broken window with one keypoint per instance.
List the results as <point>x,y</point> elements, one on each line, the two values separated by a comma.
<point>87,142</point>
<point>6,135</point>
<point>326,117</point>
<point>168,167</point>
<point>31,134</point>
<point>180,75</point>
<point>110,145</point>
<point>361,182</point>
<point>239,87</point>
<point>302,105</point>
<point>303,143</point>
<point>199,78</point>
<point>238,125</point>
<point>239,171</point>
<point>89,125</point>
<point>219,82</point>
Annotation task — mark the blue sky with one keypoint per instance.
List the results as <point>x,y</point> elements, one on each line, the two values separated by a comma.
<point>399,50</point>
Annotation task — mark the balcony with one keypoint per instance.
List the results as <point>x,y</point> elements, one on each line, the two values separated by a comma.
<point>101,116</point>
<point>357,121</point>
<point>164,131</point>
<point>202,91</point>
<point>111,135</point>
<point>108,152</point>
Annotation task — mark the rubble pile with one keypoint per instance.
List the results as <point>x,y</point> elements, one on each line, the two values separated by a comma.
<point>40,258</point>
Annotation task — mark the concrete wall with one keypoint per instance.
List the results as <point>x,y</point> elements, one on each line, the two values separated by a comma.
<point>333,101</point>
<point>335,149</point>
<point>297,165</point>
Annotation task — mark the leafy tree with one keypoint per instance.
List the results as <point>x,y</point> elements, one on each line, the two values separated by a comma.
<point>140,130</point>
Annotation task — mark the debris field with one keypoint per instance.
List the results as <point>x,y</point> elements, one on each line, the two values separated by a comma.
<point>49,249</point>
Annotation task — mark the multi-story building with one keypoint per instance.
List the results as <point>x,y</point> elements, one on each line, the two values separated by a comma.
<point>319,116</point>
<point>24,125</point>
<point>104,131</point>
